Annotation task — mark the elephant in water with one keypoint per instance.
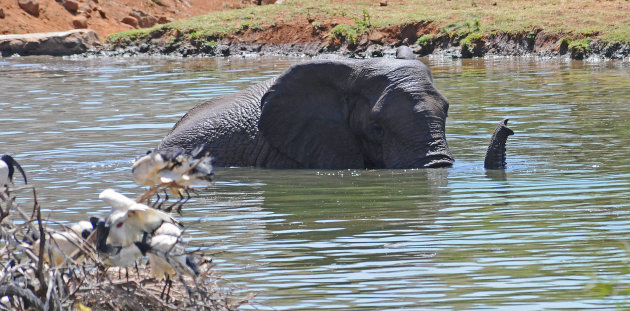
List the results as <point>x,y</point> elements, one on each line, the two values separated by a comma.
<point>329,113</point>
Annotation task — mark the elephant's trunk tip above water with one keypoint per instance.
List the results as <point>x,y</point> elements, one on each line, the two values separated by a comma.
<point>495,156</point>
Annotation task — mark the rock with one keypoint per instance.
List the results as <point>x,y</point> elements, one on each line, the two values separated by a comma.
<point>79,22</point>
<point>50,43</point>
<point>29,6</point>
<point>147,21</point>
<point>376,36</point>
<point>101,12</point>
<point>383,3</point>
<point>405,52</point>
<point>1,13</point>
<point>130,20</point>
<point>144,20</point>
<point>163,20</point>
<point>71,5</point>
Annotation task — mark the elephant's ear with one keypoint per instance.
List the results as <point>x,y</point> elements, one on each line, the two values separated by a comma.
<point>304,116</point>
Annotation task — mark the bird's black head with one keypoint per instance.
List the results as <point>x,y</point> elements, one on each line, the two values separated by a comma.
<point>192,263</point>
<point>101,236</point>
<point>11,163</point>
<point>86,233</point>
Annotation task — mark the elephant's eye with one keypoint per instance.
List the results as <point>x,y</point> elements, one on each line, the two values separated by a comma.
<point>378,129</point>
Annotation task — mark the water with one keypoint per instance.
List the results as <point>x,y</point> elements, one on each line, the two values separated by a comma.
<point>548,233</point>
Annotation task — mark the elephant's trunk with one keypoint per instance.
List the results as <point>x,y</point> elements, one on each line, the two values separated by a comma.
<point>495,156</point>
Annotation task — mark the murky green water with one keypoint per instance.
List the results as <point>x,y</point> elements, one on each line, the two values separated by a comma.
<point>548,233</point>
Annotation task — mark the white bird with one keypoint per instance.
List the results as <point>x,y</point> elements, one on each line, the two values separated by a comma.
<point>115,255</point>
<point>168,255</point>
<point>174,166</point>
<point>7,168</point>
<point>166,240</point>
<point>122,256</point>
<point>64,244</point>
<point>129,220</point>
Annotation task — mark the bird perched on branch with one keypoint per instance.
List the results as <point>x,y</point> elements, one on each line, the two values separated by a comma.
<point>66,244</point>
<point>166,253</point>
<point>168,256</point>
<point>128,220</point>
<point>173,165</point>
<point>7,168</point>
<point>127,223</point>
<point>173,168</point>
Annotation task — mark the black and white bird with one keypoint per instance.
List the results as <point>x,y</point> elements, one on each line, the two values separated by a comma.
<point>7,168</point>
<point>66,244</point>
<point>168,256</point>
<point>167,253</point>
<point>129,221</point>
<point>127,224</point>
<point>174,167</point>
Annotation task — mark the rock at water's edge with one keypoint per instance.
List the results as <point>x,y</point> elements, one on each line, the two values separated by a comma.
<point>49,43</point>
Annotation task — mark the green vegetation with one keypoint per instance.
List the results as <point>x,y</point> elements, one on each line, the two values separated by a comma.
<point>132,35</point>
<point>579,48</point>
<point>470,40</point>
<point>580,45</point>
<point>425,40</point>
<point>350,33</point>
<point>604,20</point>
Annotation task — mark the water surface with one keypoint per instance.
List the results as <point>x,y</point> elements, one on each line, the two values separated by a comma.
<point>548,233</point>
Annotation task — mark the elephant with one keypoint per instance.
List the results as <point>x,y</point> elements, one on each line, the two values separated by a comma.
<point>328,113</point>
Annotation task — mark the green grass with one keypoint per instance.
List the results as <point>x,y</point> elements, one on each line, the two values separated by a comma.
<point>605,20</point>
<point>425,40</point>
<point>470,39</point>
<point>351,33</point>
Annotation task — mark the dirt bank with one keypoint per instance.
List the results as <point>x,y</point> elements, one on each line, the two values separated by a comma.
<point>424,38</point>
<point>590,28</point>
<point>103,16</point>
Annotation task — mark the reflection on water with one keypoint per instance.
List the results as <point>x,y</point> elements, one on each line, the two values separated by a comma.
<point>536,236</point>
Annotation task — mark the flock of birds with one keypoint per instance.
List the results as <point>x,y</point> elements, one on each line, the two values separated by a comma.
<point>133,229</point>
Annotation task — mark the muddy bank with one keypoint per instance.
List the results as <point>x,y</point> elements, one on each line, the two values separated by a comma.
<point>423,38</point>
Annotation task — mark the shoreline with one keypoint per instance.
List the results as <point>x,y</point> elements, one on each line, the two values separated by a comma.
<point>592,30</point>
<point>501,45</point>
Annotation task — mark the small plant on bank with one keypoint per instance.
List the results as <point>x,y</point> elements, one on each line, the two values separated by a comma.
<point>471,44</point>
<point>193,35</point>
<point>566,41</point>
<point>425,40</point>
<point>210,44</point>
<point>470,40</point>
<point>350,33</point>
<point>579,48</point>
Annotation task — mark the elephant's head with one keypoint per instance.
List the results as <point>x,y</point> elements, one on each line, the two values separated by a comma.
<point>345,113</point>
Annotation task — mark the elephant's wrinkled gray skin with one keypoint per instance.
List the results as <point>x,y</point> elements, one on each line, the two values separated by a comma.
<point>329,113</point>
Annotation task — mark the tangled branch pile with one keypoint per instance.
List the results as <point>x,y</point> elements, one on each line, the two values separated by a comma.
<point>30,281</point>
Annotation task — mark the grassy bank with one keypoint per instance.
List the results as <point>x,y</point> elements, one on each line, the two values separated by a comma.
<point>578,23</point>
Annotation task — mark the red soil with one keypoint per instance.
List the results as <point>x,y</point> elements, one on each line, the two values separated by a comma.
<point>103,16</point>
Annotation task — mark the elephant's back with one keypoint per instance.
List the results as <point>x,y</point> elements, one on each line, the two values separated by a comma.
<point>244,103</point>
<point>223,124</point>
